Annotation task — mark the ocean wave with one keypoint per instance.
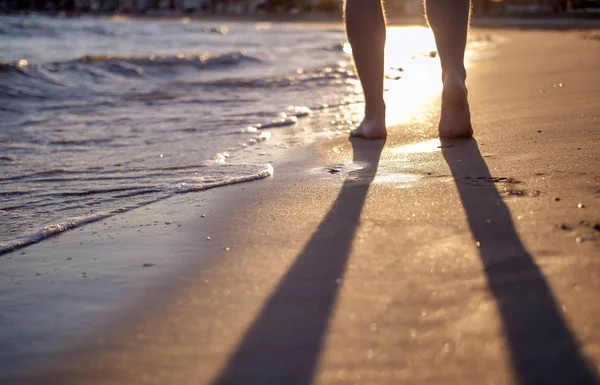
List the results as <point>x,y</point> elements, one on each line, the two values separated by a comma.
<point>99,74</point>
<point>335,74</point>
<point>26,28</point>
<point>202,60</point>
<point>50,27</point>
<point>21,80</point>
<point>17,66</point>
<point>133,65</point>
<point>213,176</point>
<point>285,119</point>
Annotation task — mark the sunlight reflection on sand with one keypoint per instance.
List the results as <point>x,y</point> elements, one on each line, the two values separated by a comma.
<point>400,180</point>
<point>395,173</point>
<point>432,145</point>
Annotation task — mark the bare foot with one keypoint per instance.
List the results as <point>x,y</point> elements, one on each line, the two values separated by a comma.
<point>372,127</point>
<point>455,120</point>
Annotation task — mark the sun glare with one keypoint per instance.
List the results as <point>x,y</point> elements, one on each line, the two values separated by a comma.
<point>413,74</point>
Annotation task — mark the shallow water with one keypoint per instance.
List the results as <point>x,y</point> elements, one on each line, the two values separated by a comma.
<point>101,116</point>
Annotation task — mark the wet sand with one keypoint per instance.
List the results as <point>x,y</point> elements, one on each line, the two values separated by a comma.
<point>463,262</point>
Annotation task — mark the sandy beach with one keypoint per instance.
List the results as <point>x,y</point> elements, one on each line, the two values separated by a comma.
<point>405,262</point>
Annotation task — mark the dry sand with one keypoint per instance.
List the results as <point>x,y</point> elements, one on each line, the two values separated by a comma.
<point>467,264</point>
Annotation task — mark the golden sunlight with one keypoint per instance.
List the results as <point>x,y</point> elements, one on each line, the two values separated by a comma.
<point>432,145</point>
<point>413,74</point>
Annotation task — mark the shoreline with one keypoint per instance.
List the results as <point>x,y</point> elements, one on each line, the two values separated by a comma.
<point>380,263</point>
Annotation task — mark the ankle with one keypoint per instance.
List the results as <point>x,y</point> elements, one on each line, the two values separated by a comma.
<point>375,111</point>
<point>453,77</point>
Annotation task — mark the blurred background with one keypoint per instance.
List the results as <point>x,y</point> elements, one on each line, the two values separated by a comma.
<point>324,8</point>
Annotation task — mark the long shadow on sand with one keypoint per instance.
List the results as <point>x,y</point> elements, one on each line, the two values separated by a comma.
<point>284,343</point>
<point>542,349</point>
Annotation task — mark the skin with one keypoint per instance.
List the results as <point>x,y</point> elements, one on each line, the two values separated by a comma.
<point>365,28</point>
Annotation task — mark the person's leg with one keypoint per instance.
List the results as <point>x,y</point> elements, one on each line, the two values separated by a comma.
<point>449,20</point>
<point>365,27</point>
